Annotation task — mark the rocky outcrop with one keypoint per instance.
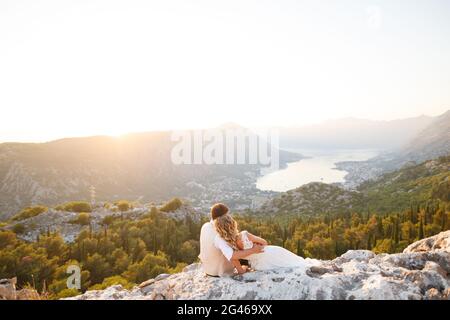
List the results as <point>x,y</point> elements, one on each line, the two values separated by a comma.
<point>8,291</point>
<point>440,242</point>
<point>184,211</point>
<point>64,223</point>
<point>420,272</point>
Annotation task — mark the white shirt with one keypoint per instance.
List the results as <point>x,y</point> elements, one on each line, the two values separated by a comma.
<point>223,246</point>
<point>214,252</point>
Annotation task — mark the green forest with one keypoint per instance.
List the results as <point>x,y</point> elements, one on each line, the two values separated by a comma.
<point>129,251</point>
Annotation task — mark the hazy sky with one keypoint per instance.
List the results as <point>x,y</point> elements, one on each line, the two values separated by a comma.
<point>108,67</point>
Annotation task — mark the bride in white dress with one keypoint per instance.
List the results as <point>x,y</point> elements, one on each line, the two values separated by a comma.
<point>272,257</point>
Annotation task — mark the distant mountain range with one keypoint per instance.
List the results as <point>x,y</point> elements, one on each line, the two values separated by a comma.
<point>139,166</point>
<point>351,133</point>
<point>136,167</point>
<point>417,171</point>
<point>429,143</point>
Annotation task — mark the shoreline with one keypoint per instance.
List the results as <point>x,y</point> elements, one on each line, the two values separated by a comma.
<point>321,161</point>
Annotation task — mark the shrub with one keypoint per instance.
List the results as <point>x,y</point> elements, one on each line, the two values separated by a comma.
<point>123,205</point>
<point>75,206</point>
<point>18,228</point>
<point>83,218</point>
<point>178,268</point>
<point>189,251</point>
<point>67,293</point>
<point>384,246</point>
<point>441,191</point>
<point>7,238</point>
<point>29,212</point>
<point>151,266</point>
<point>108,220</point>
<point>172,205</point>
<point>110,281</point>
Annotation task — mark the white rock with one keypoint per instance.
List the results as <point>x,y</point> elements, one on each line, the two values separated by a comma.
<point>420,272</point>
<point>440,242</point>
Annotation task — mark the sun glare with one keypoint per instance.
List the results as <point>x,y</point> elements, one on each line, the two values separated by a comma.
<point>200,66</point>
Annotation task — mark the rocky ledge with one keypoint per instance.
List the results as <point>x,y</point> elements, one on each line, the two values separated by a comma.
<point>420,272</point>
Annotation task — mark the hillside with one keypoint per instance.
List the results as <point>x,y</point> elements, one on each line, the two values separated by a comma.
<point>420,272</point>
<point>409,186</point>
<point>428,143</point>
<point>68,226</point>
<point>136,167</point>
<point>391,192</point>
<point>139,167</point>
<point>126,243</point>
<point>312,199</point>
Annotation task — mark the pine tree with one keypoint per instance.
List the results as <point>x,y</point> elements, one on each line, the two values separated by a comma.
<point>443,221</point>
<point>284,236</point>
<point>299,249</point>
<point>396,232</point>
<point>421,233</point>
<point>155,246</point>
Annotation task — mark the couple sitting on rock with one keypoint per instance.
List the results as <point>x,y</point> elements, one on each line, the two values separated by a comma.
<point>222,246</point>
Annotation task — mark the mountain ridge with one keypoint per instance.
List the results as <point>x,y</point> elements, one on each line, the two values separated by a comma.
<point>430,142</point>
<point>136,166</point>
<point>349,133</point>
<point>390,192</point>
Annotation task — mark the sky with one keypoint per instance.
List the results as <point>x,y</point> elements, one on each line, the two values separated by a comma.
<point>76,68</point>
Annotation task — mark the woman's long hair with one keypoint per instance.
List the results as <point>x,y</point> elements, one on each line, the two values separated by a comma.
<point>227,228</point>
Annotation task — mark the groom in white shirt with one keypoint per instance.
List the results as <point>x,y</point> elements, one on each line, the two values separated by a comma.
<point>216,254</point>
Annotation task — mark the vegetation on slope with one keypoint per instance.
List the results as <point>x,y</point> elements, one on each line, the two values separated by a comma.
<point>172,205</point>
<point>130,251</point>
<point>313,199</point>
<point>327,236</point>
<point>411,185</point>
<point>134,250</point>
<point>29,212</point>
<point>383,216</point>
<point>75,206</point>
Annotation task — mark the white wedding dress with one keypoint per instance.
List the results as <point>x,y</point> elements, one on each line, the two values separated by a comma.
<point>274,257</point>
